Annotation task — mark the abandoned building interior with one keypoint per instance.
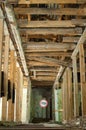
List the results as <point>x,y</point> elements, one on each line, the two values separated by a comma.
<point>42,56</point>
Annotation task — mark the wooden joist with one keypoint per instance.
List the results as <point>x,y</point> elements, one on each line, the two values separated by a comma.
<point>45,74</point>
<point>48,11</point>
<point>51,61</point>
<point>42,83</point>
<point>36,54</point>
<point>50,24</point>
<point>42,69</point>
<point>48,46</point>
<point>43,78</point>
<point>39,64</point>
<point>54,31</point>
<point>50,1</point>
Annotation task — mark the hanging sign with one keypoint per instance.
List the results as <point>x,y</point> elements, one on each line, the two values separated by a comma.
<point>43,103</point>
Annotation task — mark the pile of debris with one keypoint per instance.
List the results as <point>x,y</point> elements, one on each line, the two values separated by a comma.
<point>79,122</point>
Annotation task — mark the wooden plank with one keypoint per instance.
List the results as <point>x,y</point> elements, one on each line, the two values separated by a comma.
<point>70,92</point>
<point>48,31</point>
<point>51,1</point>
<point>51,61</point>
<point>17,95</point>
<point>36,54</point>
<point>64,96</point>
<point>1,40</point>
<point>10,104</point>
<point>81,41</point>
<point>21,93</point>
<point>45,73</point>
<point>75,81</point>
<point>43,78</point>
<point>42,69</point>
<point>48,46</point>
<point>50,24</point>
<point>5,69</point>
<point>59,76</point>
<point>42,83</point>
<point>49,11</point>
<point>70,39</point>
<point>19,88</point>
<point>36,63</point>
<point>83,78</point>
<point>29,99</point>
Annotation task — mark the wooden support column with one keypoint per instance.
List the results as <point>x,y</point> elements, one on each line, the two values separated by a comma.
<point>56,102</point>
<point>70,92</point>
<point>5,69</point>
<point>19,88</point>
<point>66,101</point>
<point>21,92</point>
<point>75,86</point>
<point>12,71</point>
<point>17,93</point>
<point>83,78</point>
<point>1,40</point>
<point>28,99</point>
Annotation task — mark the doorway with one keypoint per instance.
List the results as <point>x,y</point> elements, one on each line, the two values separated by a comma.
<point>38,113</point>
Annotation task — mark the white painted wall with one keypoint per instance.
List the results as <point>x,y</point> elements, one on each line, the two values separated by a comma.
<point>24,105</point>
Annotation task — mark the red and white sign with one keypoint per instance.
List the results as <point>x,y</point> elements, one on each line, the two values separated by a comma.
<point>43,103</point>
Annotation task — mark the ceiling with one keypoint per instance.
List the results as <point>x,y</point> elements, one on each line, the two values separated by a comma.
<point>50,31</point>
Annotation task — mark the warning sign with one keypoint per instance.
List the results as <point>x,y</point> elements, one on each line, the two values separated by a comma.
<point>43,103</point>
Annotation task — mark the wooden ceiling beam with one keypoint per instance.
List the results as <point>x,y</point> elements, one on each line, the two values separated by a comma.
<point>70,39</point>
<point>43,78</point>
<point>42,69</point>
<point>42,83</point>
<point>54,31</point>
<point>50,24</point>
<point>49,11</point>
<point>51,61</point>
<point>48,46</point>
<point>50,1</point>
<point>40,64</point>
<point>36,54</point>
<point>46,73</point>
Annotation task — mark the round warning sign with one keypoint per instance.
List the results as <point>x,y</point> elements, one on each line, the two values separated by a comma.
<point>43,103</point>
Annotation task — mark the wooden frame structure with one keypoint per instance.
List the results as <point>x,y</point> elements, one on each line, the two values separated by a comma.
<point>43,40</point>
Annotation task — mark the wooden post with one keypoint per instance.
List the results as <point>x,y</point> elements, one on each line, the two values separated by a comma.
<point>21,93</point>
<point>12,71</point>
<point>75,82</point>
<point>56,103</point>
<point>66,97</point>
<point>1,40</point>
<point>5,69</point>
<point>28,99</point>
<point>70,92</point>
<point>17,93</point>
<point>19,88</point>
<point>83,78</point>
